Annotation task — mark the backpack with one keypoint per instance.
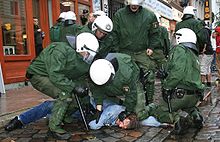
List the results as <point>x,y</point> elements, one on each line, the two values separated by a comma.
<point>55,32</point>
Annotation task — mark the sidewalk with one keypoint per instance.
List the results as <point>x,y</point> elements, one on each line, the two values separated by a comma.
<point>17,100</point>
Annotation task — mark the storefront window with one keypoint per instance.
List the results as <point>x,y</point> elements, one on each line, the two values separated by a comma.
<point>66,6</point>
<point>13,27</point>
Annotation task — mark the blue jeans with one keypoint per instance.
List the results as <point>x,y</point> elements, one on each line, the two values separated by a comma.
<point>36,112</point>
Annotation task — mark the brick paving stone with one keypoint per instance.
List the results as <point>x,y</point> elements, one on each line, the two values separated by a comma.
<point>95,140</point>
<point>8,140</point>
<point>23,140</point>
<point>135,134</point>
<point>40,136</point>
<point>109,139</point>
<point>37,140</point>
<point>75,138</point>
<point>61,140</point>
<point>117,135</point>
<point>129,139</point>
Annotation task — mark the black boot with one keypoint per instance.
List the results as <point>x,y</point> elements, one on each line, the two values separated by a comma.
<point>14,124</point>
<point>60,136</point>
<point>181,126</point>
<point>198,121</point>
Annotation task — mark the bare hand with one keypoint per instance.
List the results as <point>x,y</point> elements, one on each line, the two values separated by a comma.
<point>149,52</point>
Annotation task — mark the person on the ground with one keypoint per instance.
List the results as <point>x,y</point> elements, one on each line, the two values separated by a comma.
<point>206,57</point>
<point>182,86</point>
<point>70,28</point>
<point>135,33</point>
<point>38,37</point>
<point>61,70</point>
<point>189,21</point>
<point>55,30</point>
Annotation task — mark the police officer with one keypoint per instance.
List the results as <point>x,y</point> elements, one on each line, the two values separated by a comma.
<point>91,19</point>
<point>55,30</point>
<point>70,26</point>
<point>182,86</point>
<point>101,28</point>
<point>117,76</point>
<point>135,33</point>
<point>189,21</point>
<point>59,71</point>
<point>162,51</point>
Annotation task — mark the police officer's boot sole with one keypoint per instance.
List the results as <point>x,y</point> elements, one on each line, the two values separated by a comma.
<point>59,136</point>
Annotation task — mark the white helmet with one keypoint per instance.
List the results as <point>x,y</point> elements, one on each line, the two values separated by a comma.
<point>70,15</point>
<point>87,42</point>
<point>158,16</point>
<point>185,35</point>
<point>101,71</point>
<point>134,2</point>
<point>103,23</point>
<point>62,15</point>
<point>99,13</point>
<point>190,10</point>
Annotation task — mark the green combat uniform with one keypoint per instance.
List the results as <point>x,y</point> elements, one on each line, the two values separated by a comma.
<point>71,29</point>
<point>125,84</point>
<point>161,52</point>
<point>196,26</point>
<point>133,33</point>
<point>183,71</point>
<point>56,72</point>
<point>55,31</point>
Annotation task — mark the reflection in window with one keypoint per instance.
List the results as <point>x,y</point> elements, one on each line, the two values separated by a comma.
<point>13,27</point>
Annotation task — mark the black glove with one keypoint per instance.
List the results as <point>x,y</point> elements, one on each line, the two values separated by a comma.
<point>81,91</point>
<point>161,74</point>
<point>167,94</point>
<point>98,115</point>
<point>122,116</point>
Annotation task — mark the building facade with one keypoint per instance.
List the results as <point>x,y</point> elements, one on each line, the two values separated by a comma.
<point>17,47</point>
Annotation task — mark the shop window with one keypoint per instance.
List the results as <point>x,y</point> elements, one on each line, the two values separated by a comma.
<point>13,27</point>
<point>66,6</point>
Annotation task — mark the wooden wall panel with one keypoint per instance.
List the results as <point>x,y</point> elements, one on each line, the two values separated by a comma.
<point>15,71</point>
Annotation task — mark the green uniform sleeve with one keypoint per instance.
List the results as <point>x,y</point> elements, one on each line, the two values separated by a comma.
<point>175,68</point>
<point>154,41</point>
<point>55,66</point>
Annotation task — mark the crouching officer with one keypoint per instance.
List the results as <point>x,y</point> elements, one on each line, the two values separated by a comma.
<point>115,77</point>
<point>60,70</point>
<point>182,86</point>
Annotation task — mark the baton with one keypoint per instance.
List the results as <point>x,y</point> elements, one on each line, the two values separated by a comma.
<point>81,112</point>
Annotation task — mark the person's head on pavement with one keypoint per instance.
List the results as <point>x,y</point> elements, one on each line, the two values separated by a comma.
<point>128,122</point>
<point>134,5</point>
<point>102,26</point>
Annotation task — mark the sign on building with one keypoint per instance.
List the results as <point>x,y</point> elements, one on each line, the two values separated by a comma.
<point>207,10</point>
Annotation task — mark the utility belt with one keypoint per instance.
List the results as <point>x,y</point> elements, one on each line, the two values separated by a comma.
<point>28,75</point>
<point>179,92</point>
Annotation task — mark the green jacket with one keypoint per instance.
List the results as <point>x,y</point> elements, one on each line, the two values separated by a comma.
<point>62,64</point>
<point>164,40</point>
<point>197,27</point>
<point>70,30</point>
<point>127,77</point>
<point>183,69</point>
<point>134,32</point>
<point>55,32</point>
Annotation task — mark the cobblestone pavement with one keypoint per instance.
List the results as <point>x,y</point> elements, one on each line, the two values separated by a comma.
<point>38,131</point>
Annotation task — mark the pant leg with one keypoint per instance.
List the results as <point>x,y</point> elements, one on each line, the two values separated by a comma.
<point>44,85</point>
<point>36,112</point>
